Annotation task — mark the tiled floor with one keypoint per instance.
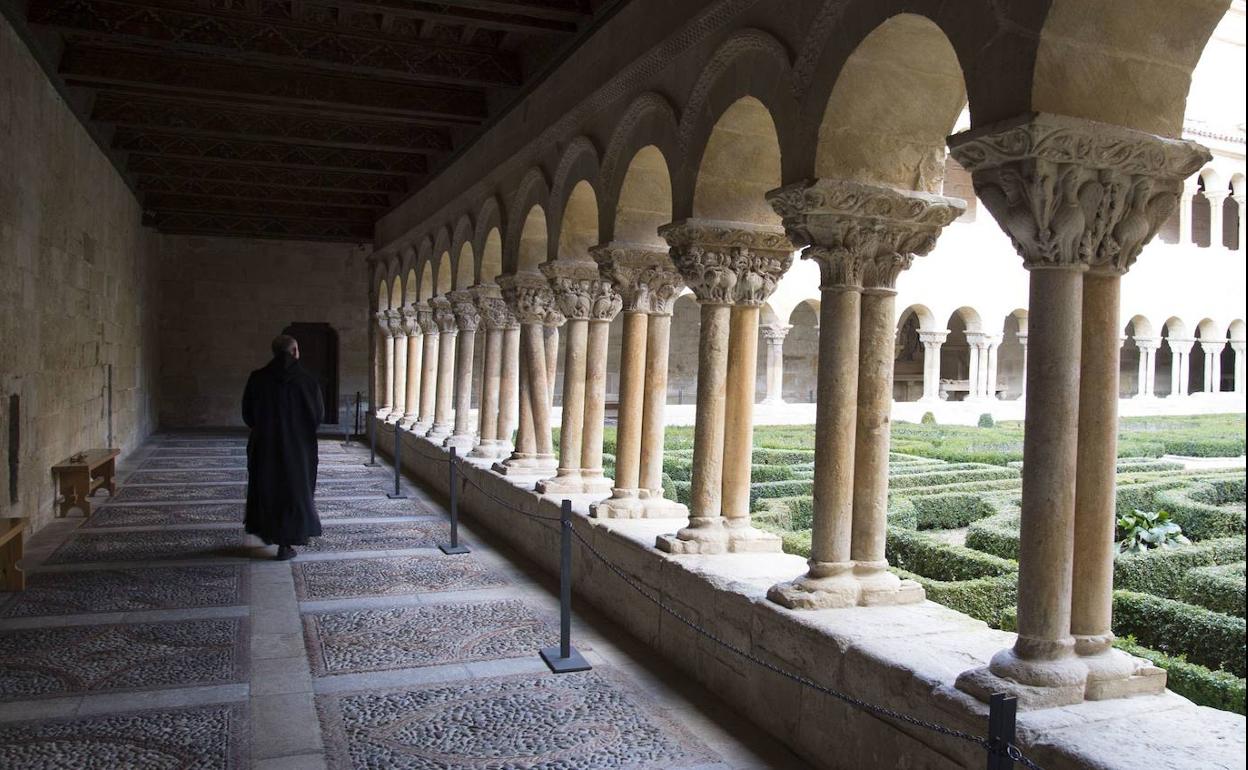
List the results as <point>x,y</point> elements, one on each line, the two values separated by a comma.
<point>159,635</point>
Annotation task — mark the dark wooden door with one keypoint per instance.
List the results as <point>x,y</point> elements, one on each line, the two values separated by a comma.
<point>318,353</point>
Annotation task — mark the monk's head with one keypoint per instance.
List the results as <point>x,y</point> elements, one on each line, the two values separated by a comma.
<point>284,344</point>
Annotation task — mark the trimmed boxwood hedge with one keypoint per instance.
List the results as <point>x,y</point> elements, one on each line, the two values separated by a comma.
<point>997,535</point>
<point>764,490</point>
<point>950,510</point>
<point>923,554</point>
<point>1204,687</point>
<point>1219,588</point>
<point>1209,638</point>
<point>1200,520</point>
<point>982,598</point>
<point>1160,571</point>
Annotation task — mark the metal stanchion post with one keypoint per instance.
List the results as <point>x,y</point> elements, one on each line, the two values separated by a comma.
<point>564,659</point>
<point>1002,711</point>
<point>398,464</point>
<point>372,440</point>
<point>454,547</point>
<point>357,413</point>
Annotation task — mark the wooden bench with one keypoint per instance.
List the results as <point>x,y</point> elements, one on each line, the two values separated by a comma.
<point>12,540</point>
<point>82,475</point>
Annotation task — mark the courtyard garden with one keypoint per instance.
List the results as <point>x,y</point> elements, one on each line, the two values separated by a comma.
<point>954,528</point>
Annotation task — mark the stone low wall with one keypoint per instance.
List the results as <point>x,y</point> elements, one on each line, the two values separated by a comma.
<point>904,658</point>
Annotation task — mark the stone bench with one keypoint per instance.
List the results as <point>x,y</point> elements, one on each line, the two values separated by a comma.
<point>82,475</point>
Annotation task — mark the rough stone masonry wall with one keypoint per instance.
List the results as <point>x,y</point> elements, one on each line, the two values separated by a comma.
<point>76,291</point>
<point>224,299</point>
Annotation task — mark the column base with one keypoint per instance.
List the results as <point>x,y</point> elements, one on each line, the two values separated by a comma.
<point>567,481</point>
<point>714,535</point>
<point>489,449</point>
<point>881,588</point>
<point>827,586</point>
<point>393,417</point>
<point>772,402</point>
<point>594,483</point>
<point>1113,673</point>
<point>440,432</point>
<point>408,422</point>
<point>421,428</point>
<point>623,504</point>
<point>463,442</point>
<point>662,508</point>
<point>1038,684</point>
<point>520,464</point>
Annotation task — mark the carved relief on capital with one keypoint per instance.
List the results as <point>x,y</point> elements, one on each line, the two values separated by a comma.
<point>443,315</point>
<point>862,234</point>
<point>1076,193</point>
<point>605,301</point>
<point>394,319</point>
<point>495,315</point>
<point>464,307</point>
<point>935,337</point>
<point>663,285</point>
<point>411,323</point>
<point>727,263</point>
<point>572,282</point>
<point>383,322</point>
<point>424,315</point>
<point>529,296</point>
<point>775,333</point>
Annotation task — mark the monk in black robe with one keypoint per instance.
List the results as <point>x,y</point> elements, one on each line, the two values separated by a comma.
<point>282,405</point>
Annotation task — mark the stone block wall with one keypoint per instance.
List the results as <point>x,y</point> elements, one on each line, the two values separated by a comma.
<point>77,298</point>
<point>224,299</point>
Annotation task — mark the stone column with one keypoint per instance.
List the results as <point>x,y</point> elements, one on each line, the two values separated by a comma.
<point>387,350</point>
<point>1239,346</point>
<point>529,293</point>
<point>932,341</point>
<point>1038,175</point>
<point>571,282</point>
<point>862,237</point>
<point>399,398</point>
<point>1181,364</point>
<point>492,312</point>
<point>604,307</point>
<point>444,401</point>
<point>977,370</point>
<point>1216,200</point>
<point>509,385</point>
<point>429,368</point>
<point>415,342</point>
<point>1022,340</point>
<point>774,335</point>
<point>732,268</point>
<point>663,286</point>
<point>993,342</point>
<point>1190,188</point>
<point>1148,364</point>
<point>467,318</point>
<point>1213,364</point>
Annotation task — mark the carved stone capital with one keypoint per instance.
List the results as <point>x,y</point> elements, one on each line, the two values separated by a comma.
<point>862,235</point>
<point>727,263</point>
<point>1147,343</point>
<point>383,322</point>
<point>443,315</point>
<point>605,302</point>
<point>394,319</point>
<point>1074,193</point>
<point>464,306</point>
<point>775,333</point>
<point>1212,347</point>
<point>934,337</point>
<point>424,314</point>
<point>411,323</point>
<point>572,282</point>
<point>1181,344</point>
<point>642,275</point>
<point>529,296</point>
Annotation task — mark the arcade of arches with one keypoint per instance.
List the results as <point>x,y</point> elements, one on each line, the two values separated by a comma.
<point>715,210</point>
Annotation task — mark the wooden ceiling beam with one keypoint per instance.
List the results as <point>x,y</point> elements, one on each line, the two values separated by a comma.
<point>450,13</point>
<point>235,206</point>
<point>252,174</point>
<point>266,193</point>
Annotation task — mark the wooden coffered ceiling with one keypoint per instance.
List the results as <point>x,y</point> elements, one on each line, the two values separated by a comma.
<point>290,118</point>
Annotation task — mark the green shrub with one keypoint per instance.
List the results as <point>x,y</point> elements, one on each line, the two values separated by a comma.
<point>1139,531</point>
<point>901,513</point>
<point>1219,588</point>
<point>1200,520</point>
<point>763,473</point>
<point>1161,572</point>
<point>923,554</point>
<point>769,489</point>
<point>982,598</point>
<point>1206,447</point>
<point>943,477</point>
<point>787,513</point>
<point>986,421</point>
<point>997,535</point>
<point>765,456</point>
<point>1216,689</point>
<point>927,419</point>
<point>1209,638</point>
<point>950,510</point>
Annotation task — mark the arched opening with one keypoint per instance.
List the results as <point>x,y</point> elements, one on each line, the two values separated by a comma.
<point>531,250</point>
<point>396,293</point>
<point>1233,358</point>
<point>410,288</point>
<point>492,257</point>
<point>1133,358</point>
<point>426,282</point>
<point>383,295</point>
<point>895,100</point>
<point>1208,187</point>
<point>645,201</point>
<point>909,358</point>
<point>1199,380</point>
<point>578,230</point>
<point>801,353</point>
<point>1167,360</point>
<point>682,361</point>
<point>740,163</point>
<point>956,369</point>
<point>444,276</point>
<point>1012,356</point>
<point>465,267</point>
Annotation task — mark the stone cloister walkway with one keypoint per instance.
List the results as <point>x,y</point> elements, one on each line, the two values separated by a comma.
<point>158,635</point>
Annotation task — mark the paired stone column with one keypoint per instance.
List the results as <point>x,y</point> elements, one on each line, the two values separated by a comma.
<point>1213,364</point>
<point>1022,340</point>
<point>509,386</point>
<point>467,318</point>
<point>977,347</point>
<point>400,368</point>
<point>1076,197</point>
<point>494,319</point>
<point>1148,365</point>
<point>863,237</point>
<point>773,336</point>
<point>732,268</point>
<point>534,307</point>
<point>444,399</point>
<point>386,330</point>
<point>604,307</point>
<point>990,375</point>
<point>411,399</point>
<point>572,283</point>
<point>429,368</point>
<point>932,342</point>
<point>1180,364</point>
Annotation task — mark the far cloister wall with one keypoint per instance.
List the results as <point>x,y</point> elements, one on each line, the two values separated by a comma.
<point>78,294</point>
<point>224,299</point>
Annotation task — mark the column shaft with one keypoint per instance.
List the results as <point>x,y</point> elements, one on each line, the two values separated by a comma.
<point>400,376</point>
<point>706,482</point>
<point>592,479</point>
<point>536,354</point>
<point>442,424</point>
<point>628,435</point>
<point>466,352</point>
<point>388,393</point>
<point>429,378</point>
<point>508,388</point>
<point>739,414</point>
<point>836,419</point>
<point>491,380</point>
<point>415,346</point>
<point>550,335</point>
<point>567,478</point>
<point>871,433</point>
<point>655,404</point>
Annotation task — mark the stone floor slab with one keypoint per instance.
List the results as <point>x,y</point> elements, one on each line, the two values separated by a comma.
<point>380,537</point>
<point>127,590</point>
<point>68,660</point>
<point>353,641</point>
<point>201,738</point>
<point>164,515</point>
<point>587,721</point>
<point>183,493</point>
<point>318,580</point>
<point>328,473</point>
<point>153,545</point>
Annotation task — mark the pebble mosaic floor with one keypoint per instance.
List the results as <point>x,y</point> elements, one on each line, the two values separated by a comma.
<point>158,635</point>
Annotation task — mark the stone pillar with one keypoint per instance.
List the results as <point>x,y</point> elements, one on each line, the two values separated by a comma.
<point>978,365</point>
<point>993,342</point>
<point>1181,364</point>
<point>429,368</point>
<point>387,350</point>
<point>571,282</point>
<point>1022,340</point>
<point>529,293</point>
<point>773,335</point>
<point>467,318</point>
<point>415,342</point>
<point>932,341</point>
<point>1190,188</point>
<point>604,307</point>
<point>862,237</point>
<point>1148,365</point>
<point>1238,346</point>
<point>1216,200</point>
<point>444,401</point>
<point>1038,175</point>
<point>732,268</point>
<point>1213,364</point>
<point>509,385</point>
<point>400,369</point>
<point>493,319</point>
<point>663,286</point>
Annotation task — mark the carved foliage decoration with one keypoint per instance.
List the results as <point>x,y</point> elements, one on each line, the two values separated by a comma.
<point>464,307</point>
<point>443,315</point>
<point>573,283</point>
<point>530,297</point>
<point>411,322</point>
<point>726,262</point>
<point>1071,192</point>
<point>636,272</point>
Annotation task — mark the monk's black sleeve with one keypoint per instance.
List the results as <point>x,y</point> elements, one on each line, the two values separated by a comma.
<point>249,402</point>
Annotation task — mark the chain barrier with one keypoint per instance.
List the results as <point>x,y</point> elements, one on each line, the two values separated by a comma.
<point>500,501</point>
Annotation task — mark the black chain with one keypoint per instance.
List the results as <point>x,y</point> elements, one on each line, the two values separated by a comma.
<point>500,501</point>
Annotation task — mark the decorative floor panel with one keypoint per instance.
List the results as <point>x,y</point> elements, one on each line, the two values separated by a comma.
<point>425,635</point>
<point>73,660</point>
<point>127,590</point>
<point>381,537</point>
<point>201,738</point>
<point>581,721</point>
<point>164,514</point>
<point>183,493</point>
<point>156,545</point>
<point>191,475</point>
<point>346,578</point>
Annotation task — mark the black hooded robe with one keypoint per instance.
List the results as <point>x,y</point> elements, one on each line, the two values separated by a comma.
<point>282,405</point>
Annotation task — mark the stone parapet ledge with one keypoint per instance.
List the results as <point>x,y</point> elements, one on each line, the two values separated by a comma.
<point>905,658</point>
